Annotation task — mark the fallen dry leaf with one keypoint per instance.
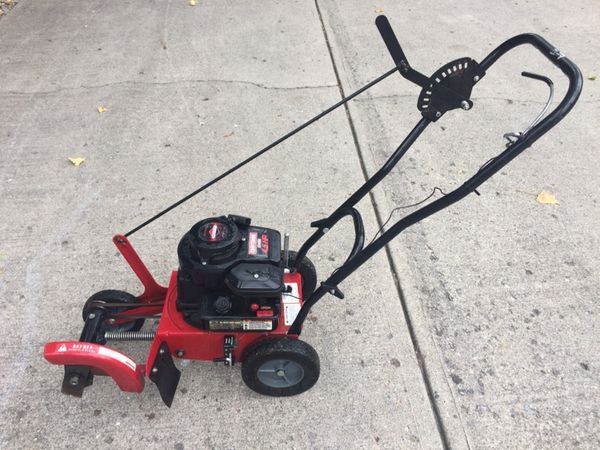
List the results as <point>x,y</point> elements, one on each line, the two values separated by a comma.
<point>192,2</point>
<point>379,10</point>
<point>228,134</point>
<point>76,160</point>
<point>592,77</point>
<point>101,109</point>
<point>547,198</point>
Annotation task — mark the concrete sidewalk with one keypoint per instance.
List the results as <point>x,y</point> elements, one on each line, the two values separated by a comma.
<point>498,295</point>
<point>502,292</point>
<point>188,92</point>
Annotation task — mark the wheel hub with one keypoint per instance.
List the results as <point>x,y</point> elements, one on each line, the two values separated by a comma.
<point>280,373</point>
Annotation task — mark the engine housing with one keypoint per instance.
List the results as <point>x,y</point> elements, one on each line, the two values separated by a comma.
<point>230,276</point>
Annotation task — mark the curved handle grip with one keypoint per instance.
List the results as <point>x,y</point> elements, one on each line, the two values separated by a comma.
<point>546,48</point>
<point>568,67</point>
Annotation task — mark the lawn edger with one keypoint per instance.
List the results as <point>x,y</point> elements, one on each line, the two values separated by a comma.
<point>240,294</point>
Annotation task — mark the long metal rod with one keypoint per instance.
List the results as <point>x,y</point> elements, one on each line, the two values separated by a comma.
<point>264,150</point>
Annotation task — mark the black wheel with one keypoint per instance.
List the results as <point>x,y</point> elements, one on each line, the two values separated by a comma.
<point>113,296</point>
<point>281,367</point>
<point>307,271</point>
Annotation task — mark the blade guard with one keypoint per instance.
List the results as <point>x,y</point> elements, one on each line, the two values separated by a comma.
<point>128,375</point>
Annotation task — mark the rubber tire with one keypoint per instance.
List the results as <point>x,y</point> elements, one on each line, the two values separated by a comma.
<point>307,271</point>
<point>114,296</point>
<point>284,348</point>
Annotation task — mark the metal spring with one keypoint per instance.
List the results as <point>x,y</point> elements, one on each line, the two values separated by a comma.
<point>129,335</point>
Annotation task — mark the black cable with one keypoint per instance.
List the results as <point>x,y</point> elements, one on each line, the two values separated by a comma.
<point>267,148</point>
<point>405,207</point>
<point>292,295</point>
<point>392,213</point>
<point>485,164</point>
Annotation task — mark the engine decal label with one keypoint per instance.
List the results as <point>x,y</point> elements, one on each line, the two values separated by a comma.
<point>264,244</point>
<point>252,243</point>
<point>258,243</point>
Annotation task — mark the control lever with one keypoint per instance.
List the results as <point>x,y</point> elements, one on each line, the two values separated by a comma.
<point>393,46</point>
<point>514,136</point>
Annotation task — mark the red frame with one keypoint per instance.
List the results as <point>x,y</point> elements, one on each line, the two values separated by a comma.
<point>183,340</point>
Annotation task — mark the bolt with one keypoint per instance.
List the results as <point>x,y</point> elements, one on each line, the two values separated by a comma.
<point>162,351</point>
<point>154,369</point>
<point>476,78</point>
<point>256,275</point>
<point>325,230</point>
<point>180,353</point>
<point>243,239</point>
<point>204,262</point>
<point>465,105</point>
<point>280,373</point>
<point>74,380</point>
<point>111,321</point>
<point>438,114</point>
<point>332,291</point>
<point>92,316</point>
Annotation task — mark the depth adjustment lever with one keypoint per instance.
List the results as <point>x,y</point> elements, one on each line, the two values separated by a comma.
<point>228,346</point>
<point>448,88</point>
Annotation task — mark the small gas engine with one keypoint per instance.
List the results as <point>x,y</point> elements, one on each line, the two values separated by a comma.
<point>230,277</point>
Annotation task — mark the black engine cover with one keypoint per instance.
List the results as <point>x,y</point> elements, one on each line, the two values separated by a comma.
<point>226,256</point>
<point>255,280</point>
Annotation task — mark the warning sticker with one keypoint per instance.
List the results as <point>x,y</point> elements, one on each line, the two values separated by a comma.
<point>258,325</point>
<point>291,304</point>
<point>290,312</point>
<point>80,347</point>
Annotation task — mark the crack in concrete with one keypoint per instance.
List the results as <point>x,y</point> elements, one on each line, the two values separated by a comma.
<point>167,83</point>
<point>443,284</point>
<point>394,272</point>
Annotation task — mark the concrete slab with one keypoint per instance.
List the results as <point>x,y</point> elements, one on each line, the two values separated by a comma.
<point>188,91</point>
<point>501,290</point>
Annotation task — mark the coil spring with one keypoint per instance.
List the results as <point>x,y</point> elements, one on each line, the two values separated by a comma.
<point>129,335</point>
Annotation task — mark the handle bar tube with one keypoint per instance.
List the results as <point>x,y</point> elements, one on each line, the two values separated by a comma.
<point>326,224</point>
<point>526,140</point>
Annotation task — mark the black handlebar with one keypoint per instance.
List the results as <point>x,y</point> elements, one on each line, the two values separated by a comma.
<point>523,141</point>
<point>546,48</point>
<point>559,60</point>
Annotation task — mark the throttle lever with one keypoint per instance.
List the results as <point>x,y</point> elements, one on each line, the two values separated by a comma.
<point>514,136</point>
